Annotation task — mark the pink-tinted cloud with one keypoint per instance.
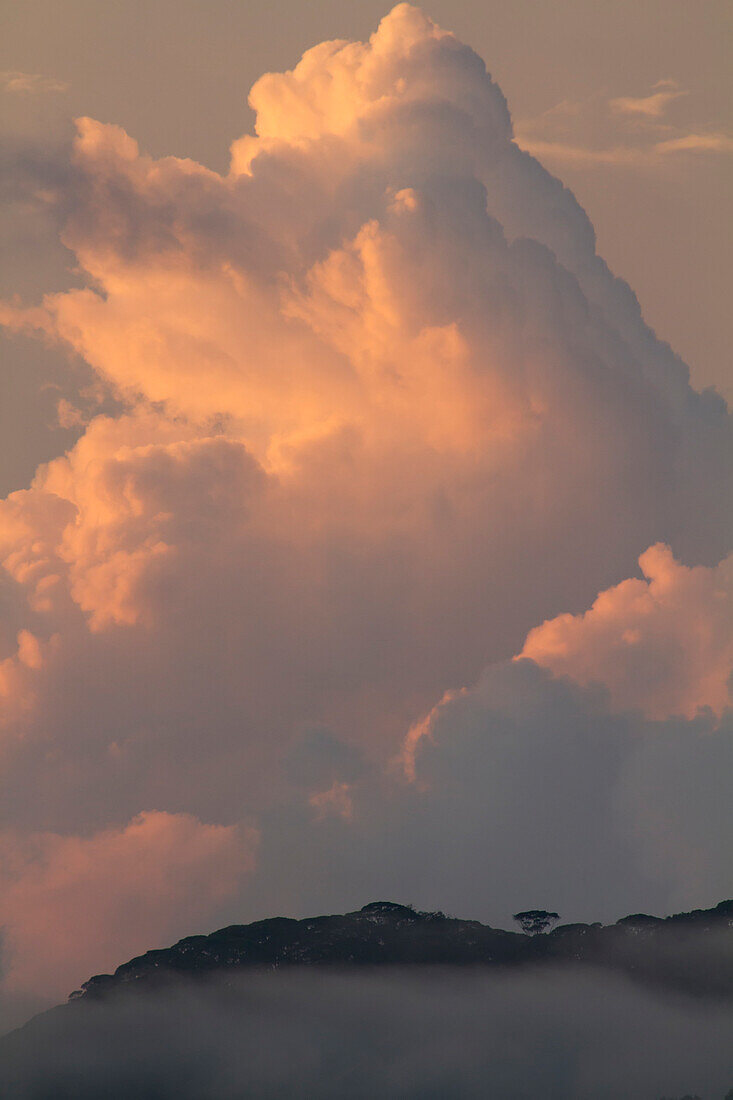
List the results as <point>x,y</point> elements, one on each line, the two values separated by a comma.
<point>72,905</point>
<point>413,403</point>
<point>382,410</point>
<point>663,644</point>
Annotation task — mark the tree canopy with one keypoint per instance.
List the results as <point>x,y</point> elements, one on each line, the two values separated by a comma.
<point>533,921</point>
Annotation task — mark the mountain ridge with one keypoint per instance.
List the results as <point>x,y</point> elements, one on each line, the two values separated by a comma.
<point>690,952</point>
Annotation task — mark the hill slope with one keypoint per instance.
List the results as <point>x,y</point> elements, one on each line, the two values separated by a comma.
<point>389,1002</point>
<point>692,952</point>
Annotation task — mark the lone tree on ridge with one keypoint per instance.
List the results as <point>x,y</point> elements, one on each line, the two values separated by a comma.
<point>533,921</point>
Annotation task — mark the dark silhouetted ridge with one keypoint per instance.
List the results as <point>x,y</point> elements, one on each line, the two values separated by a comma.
<point>690,952</point>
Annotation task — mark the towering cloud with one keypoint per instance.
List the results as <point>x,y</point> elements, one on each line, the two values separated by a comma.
<point>383,410</point>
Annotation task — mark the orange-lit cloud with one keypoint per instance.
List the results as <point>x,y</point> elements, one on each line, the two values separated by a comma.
<point>653,105</point>
<point>21,83</point>
<point>71,903</point>
<point>705,142</point>
<point>382,410</point>
<point>663,644</point>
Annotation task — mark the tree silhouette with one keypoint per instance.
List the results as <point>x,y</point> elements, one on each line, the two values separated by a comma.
<point>533,921</point>
<point>689,1096</point>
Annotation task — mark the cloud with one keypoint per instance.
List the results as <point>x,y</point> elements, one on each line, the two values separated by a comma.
<point>624,155</point>
<point>626,131</point>
<point>381,409</point>
<point>526,788</point>
<point>663,644</point>
<point>581,155</point>
<point>75,904</point>
<point>338,86</point>
<point>709,142</point>
<point>336,800</point>
<point>653,105</point>
<point>30,83</point>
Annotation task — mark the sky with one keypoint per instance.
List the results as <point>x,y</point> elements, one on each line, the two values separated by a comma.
<point>366,463</point>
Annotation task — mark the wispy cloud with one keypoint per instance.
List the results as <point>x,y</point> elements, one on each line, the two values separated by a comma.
<point>633,156</point>
<point>649,106</point>
<point>579,154</point>
<point>20,83</point>
<point>624,130</point>
<point>697,143</point>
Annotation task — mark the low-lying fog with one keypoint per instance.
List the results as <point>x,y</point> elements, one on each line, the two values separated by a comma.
<point>378,1034</point>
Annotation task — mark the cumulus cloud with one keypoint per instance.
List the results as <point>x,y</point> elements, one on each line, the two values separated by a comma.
<point>74,902</point>
<point>381,410</point>
<point>526,787</point>
<point>663,644</point>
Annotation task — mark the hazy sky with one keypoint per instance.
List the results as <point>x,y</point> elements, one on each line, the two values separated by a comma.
<point>378,544</point>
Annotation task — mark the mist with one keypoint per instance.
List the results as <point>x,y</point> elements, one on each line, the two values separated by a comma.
<point>395,1033</point>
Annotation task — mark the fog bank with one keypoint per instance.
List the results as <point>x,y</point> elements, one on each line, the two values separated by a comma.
<point>394,1034</point>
